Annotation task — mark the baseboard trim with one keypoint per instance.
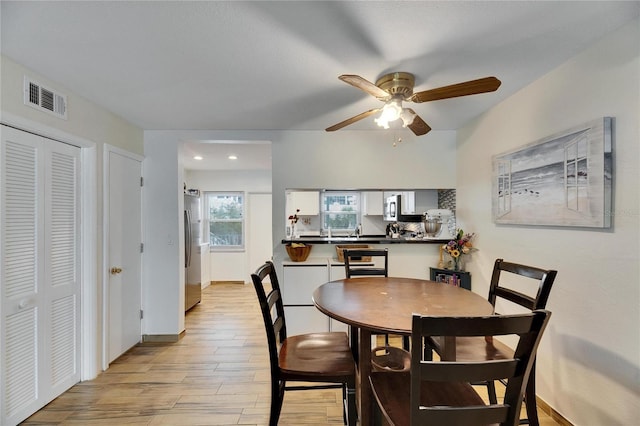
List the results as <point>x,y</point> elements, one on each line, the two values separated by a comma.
<point>161,338</point>
<point>227,282</point>
<point>557,417</point>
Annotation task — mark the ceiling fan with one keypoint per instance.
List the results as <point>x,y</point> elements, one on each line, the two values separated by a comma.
<point>394,88</point>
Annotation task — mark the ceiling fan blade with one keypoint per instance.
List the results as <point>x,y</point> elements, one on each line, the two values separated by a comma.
<point>352,120</point>
<point>473,87</point>
<point>364,85</point>
<point>418,126</point>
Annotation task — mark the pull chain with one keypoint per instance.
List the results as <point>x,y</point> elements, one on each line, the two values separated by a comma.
<point>396,139</point>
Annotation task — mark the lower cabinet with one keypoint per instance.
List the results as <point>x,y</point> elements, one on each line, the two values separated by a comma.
<point>298,284</point>
<point>337,272</point>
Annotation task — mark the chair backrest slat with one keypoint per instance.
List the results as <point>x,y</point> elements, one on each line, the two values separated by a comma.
<point>272,298</point>
<point>465,416</point>
<point>352,269</point>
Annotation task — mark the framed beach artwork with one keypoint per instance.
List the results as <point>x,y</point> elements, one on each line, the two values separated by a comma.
<point>561,180</point>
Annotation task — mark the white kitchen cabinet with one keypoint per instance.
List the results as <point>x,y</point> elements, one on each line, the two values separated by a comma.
<point>372,204</point>
<point>300,279</point>
<point>337,272</point>
<point>305,319</point>
<point>307,201</point>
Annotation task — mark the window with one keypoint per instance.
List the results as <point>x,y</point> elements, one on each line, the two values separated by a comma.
<point>576,174</point>
<point>340,211</point>
<point>225,220</point>
<point>504,187</point>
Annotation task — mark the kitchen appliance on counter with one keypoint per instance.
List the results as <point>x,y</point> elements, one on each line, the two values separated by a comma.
<point>393,230</point>
<point>192,264</point>
<point>395,211</point>
<point>432,226</point>
<point>441,223</point>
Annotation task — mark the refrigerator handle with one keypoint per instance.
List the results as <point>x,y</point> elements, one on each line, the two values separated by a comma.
<point>187,243</point>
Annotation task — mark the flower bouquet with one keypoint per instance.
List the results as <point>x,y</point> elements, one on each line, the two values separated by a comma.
<point>458,247</point>
<point>294,219</point>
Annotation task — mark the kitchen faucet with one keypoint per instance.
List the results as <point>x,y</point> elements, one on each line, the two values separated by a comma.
<point>357,231</point>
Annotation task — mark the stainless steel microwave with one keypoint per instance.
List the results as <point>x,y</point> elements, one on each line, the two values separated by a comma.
<point>393,211</point>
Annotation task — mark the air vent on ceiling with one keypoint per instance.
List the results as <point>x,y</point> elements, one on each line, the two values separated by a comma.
<point>44,99</point>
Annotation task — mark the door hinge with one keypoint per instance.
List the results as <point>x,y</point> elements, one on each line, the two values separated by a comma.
<point>141,181</point>
<point>141,247</point>
<point>141,314</point>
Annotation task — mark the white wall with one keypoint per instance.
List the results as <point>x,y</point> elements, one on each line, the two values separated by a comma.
<point>163,277</point>
<point>231,266</point>
<point>589,360</point>
<point>301,159</point>
<point>88,126</point>
<point>350,159</point>
<point>85,119</point>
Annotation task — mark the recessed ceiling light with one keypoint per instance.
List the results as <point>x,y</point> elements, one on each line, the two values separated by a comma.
<point>233,157</point>
<point>197,157</point>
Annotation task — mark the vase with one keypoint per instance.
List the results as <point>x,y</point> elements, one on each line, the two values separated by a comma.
<point>458,264</point>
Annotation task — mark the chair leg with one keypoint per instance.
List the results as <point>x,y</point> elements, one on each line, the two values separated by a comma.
<point>427,351</point>
<point>350,404</point>
<point>345,409</point>
<point>353,335</point>
<point>277,396</point>
<point>405,343</point>
<point>491,390</point>
<point>530,398</point>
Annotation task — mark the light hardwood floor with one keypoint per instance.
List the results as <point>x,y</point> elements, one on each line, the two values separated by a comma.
<point>217,374</point>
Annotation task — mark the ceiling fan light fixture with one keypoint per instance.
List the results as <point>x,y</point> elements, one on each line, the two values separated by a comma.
<point>390,112</point>
<point>397,87</point>
<point>407,116</point>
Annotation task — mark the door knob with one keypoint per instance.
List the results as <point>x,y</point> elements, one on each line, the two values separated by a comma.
<point>115,270</point>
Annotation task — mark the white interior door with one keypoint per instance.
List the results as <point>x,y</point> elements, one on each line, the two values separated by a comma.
<point>259,230</point>
<point>124,252</point>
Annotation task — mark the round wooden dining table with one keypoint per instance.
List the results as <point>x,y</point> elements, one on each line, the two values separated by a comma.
<point>386,305</point>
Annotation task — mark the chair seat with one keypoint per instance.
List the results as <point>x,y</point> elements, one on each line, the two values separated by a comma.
<point>321,356</point>
<point>481,349</point>
<point>392,392</point>
<point>478,349</point>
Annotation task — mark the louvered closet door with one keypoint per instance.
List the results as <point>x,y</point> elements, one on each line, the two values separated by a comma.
<point>39,307</point>
<point>60,281</point>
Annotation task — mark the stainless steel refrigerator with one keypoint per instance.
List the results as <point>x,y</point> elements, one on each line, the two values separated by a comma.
<point>192,264</point>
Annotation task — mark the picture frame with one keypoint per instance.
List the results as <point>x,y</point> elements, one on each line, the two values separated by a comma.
<point>561,180</point>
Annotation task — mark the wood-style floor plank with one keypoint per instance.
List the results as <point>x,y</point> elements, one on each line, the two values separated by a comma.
<point>216,374</point>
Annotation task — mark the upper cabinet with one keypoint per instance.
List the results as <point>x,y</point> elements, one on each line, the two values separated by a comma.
<point>372,203</point>
<point>307,201</point>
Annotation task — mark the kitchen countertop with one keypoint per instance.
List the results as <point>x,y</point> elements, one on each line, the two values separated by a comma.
<point>373,239</point>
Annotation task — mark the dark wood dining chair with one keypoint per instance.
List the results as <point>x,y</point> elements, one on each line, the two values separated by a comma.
<point>441,392</point>
<point>322,358</point>
<point>353,262</point>
<point>503,282</point>
<point>353,268</point>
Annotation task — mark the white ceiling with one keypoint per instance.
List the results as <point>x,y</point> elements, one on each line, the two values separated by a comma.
<point>254,155</point>
<point>273,65</point>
